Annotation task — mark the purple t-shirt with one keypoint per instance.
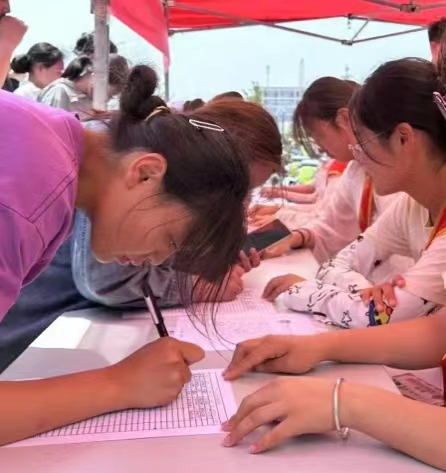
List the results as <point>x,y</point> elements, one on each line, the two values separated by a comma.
<point>40,151</point>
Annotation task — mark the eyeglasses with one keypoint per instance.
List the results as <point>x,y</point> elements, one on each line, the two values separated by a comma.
<point>357,149</point>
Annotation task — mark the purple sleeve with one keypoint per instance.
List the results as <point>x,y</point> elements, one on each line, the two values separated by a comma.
<point>20,248</point>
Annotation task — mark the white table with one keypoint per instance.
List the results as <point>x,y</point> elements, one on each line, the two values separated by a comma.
<point>95,339</point>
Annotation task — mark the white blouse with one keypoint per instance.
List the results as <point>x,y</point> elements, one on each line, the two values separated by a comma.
<point>339,223</point>
<point>402,230</point>
<point>28,90</point>
<point>298,215</point>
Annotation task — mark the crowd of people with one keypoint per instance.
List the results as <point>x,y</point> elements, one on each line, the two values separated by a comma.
<point>93,204</point>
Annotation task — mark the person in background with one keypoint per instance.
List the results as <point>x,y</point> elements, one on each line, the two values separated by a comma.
<point>403,149</point>
<point>313,198</point>
<point>322,119</point>
<point>405,143</point>
<point>231,95</point>
<point>435,34</point>
<point>320,126</point>
<point>12,31</point>
<point>149,191</point>
<point>43,63</point>
<point>76,280</point>
<point>74,91</point>
<point>191,105</point>
<point>85,46</point>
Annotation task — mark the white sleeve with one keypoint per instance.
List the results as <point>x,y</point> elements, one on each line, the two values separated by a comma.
<point>351,269</point>
<point>337,225</point>
<point>334,295</point>
<point>331,304</point>
<point>425,279</point>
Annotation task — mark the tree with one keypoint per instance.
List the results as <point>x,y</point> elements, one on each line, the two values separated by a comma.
<point>254,93</point>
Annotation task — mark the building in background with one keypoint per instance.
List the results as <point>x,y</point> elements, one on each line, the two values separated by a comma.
<point>281,102</point>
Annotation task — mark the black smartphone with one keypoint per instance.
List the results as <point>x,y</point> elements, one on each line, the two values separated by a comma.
<point>270,234</point>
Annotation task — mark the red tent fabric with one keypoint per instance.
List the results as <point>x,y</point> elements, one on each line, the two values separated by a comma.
<point>415,12</point>
<point>147,17</point>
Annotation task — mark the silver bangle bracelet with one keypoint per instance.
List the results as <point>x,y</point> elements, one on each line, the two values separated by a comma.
<point>343,432</point>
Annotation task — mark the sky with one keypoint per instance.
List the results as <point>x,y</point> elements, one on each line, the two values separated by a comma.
<point>207,63</point>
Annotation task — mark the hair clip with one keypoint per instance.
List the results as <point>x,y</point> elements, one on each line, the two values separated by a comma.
<point>207,126</point>
<point>440,102</point>
<point>157,111</point>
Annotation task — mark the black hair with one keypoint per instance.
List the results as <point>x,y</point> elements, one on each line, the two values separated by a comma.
<point>41,53</point>
<point>321,101</point>
<point>206,171</point>
<point>78,68</point>
<point>400,92</point>
<point>85,45</point>
<point>436,30</point>
<point>191,105</point>
<point>119,71</point>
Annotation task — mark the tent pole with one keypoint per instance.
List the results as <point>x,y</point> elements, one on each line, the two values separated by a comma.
<point>247,21</point>
<point>390,35</point>
<point>100,8</point>
<point>360,31</point>
<point>166,69</point>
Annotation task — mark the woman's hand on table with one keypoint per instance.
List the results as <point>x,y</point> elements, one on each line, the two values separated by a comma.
<point>383,293</point>
<point>155,374</point>
<point>279,285</point>
<point>276,354</point>
<point>293,407</point>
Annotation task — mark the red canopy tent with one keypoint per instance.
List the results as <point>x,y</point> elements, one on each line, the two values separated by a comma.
<point>144,16</point>
<point>193,14</point>
<point>155,20</point>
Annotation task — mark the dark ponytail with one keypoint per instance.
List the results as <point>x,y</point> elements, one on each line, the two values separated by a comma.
<point>78,68</point>
<point>85,45</point>
<point>41,53</point>
<point>206,172</point>
<point>400,92</point>
<point>137,98</point>
<point>321,101</point>
<point>21,64</point>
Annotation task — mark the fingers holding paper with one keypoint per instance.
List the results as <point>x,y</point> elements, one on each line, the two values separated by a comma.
<point>276,354</point>
<point>297,406</point>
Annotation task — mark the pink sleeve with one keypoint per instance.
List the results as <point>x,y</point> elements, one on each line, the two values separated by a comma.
<point>20,248</point>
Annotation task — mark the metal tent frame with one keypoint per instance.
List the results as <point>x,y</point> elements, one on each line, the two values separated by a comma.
<point>100,8</point>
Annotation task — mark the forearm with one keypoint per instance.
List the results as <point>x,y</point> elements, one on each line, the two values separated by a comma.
<point>28,408</point>
<point>412,427</point>
<point>300,188</point>
<point>416,344</point>
<point>300,198</point>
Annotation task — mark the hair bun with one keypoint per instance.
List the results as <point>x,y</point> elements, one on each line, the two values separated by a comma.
<point>137,99</point>
<point>21,64</point>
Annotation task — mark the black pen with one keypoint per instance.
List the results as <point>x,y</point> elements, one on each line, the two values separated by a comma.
<point>154,310</point>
